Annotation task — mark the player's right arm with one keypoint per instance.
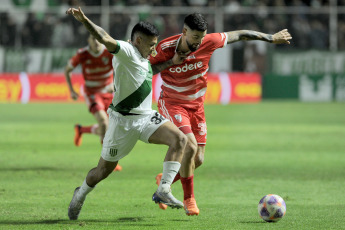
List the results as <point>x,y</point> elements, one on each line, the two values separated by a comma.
<point>96,31</point>
<point>177,59</point>
<point>68,72</point>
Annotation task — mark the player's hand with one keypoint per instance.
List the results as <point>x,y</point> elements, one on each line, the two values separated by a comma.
<point>74,95</point>
<point>282,37</point>
<point>179,58</point>
<point>77,14</point>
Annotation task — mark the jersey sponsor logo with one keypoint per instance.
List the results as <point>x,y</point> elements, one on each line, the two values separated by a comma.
<point>178,117</point>
<point>203,128</point>
<point>186,67</point>
<point>105,60</point>
<point>113,152</point>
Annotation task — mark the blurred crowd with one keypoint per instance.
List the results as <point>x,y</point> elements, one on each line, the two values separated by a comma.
<point>40,29</point>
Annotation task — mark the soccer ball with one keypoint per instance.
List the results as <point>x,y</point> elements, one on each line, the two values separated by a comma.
<point>271,208</point>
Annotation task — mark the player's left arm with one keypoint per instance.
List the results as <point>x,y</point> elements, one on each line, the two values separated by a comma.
<point>281,37</point>
<point>96,31</point>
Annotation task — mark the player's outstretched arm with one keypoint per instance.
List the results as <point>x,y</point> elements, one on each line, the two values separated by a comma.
<point>282,37</point>
<point>94,30</point>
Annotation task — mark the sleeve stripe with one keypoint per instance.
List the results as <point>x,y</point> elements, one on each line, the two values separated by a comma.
<point>225,36</point>
<point>117,48</point>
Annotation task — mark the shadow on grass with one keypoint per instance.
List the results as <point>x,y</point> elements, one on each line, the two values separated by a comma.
<point>14,169</point>
<point>253,222</point>
<point>129,220</point>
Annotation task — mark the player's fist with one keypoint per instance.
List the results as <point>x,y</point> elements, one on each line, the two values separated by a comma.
<point>282,37</point>
<point>179,57</point>
<point>77,14</point>
<point>74,95</point>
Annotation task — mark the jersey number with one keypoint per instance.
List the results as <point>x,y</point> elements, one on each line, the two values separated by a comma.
<point>157,118</point>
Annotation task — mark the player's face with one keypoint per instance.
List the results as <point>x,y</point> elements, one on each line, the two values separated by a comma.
<point>147,45</point>
<point>194,38</point>
<point>94,44</point>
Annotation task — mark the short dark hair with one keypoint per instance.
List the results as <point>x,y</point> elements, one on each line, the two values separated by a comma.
<point>196,21</point>
<point>145,28</point>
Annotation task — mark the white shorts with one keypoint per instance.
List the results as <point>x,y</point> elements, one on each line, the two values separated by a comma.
<point>124,132</point>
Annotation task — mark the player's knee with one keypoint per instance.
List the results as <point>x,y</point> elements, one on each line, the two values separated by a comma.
<point>191,149</point>
<point>180,142</point>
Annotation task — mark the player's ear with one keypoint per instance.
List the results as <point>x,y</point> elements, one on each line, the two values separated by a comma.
<point>138,40</point>
<point>184,31</point>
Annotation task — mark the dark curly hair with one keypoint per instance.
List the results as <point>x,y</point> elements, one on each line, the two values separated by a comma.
<point>196,21</point>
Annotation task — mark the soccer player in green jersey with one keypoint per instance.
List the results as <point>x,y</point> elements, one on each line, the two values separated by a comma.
<point>131,117</point>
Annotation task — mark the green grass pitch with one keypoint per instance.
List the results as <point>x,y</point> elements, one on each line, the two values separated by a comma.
<point>295,150</point>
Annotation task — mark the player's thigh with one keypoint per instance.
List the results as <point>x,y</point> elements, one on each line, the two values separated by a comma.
<point>175,113</point>
<point>198,124</point>
<point>166,134</point>
<point>120,138</point>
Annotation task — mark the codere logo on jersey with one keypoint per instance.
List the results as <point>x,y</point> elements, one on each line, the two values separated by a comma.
<point>186,67</point>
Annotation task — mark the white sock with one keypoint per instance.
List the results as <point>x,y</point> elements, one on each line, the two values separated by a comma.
<point>84,190</point>
<point>170,169</point>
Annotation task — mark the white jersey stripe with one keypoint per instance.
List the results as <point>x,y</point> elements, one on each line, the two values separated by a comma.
<point>194,77</point>
<point>163,48</point>
<point>181,89</point>
<point>168,43</point>
<point>106,75</point>
<point>190,97</point>
<point>226,38</point>
<point>165,111</point>
<point>186,88</point>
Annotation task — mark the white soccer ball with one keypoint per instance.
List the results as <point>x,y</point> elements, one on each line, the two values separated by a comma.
<point>272,208</point>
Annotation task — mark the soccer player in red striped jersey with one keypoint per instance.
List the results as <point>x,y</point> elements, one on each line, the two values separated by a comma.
<point>97,70</point>
<point>184,87</point>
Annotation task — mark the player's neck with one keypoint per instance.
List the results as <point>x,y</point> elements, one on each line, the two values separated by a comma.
<point>183,47</point>
<point>95,51</point>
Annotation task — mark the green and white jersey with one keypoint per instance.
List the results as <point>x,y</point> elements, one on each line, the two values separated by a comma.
<point>132,81</point>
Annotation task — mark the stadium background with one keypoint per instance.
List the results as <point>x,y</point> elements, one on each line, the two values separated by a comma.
<point>37,38</point>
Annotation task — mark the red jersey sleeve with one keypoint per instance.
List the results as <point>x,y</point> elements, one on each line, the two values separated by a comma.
<point>217,40</point>
<point>160,55</point>
<point>75,60</point>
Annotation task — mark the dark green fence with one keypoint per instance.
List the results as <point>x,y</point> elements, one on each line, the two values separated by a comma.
<point>327,87</point>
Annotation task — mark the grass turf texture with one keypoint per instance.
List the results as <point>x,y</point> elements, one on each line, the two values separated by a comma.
<point>295,150</point>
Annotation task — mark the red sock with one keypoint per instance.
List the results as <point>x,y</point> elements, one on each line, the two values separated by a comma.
<point>85,129</point>
<point>188,187</point>
<point>177,177</point>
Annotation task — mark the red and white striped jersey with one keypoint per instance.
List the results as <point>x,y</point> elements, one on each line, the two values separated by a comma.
<point>186,83</point>
<point>97,69</point>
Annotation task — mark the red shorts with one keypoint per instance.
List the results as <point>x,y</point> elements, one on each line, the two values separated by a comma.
<point>187,120</point>
<point>98,101</point>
